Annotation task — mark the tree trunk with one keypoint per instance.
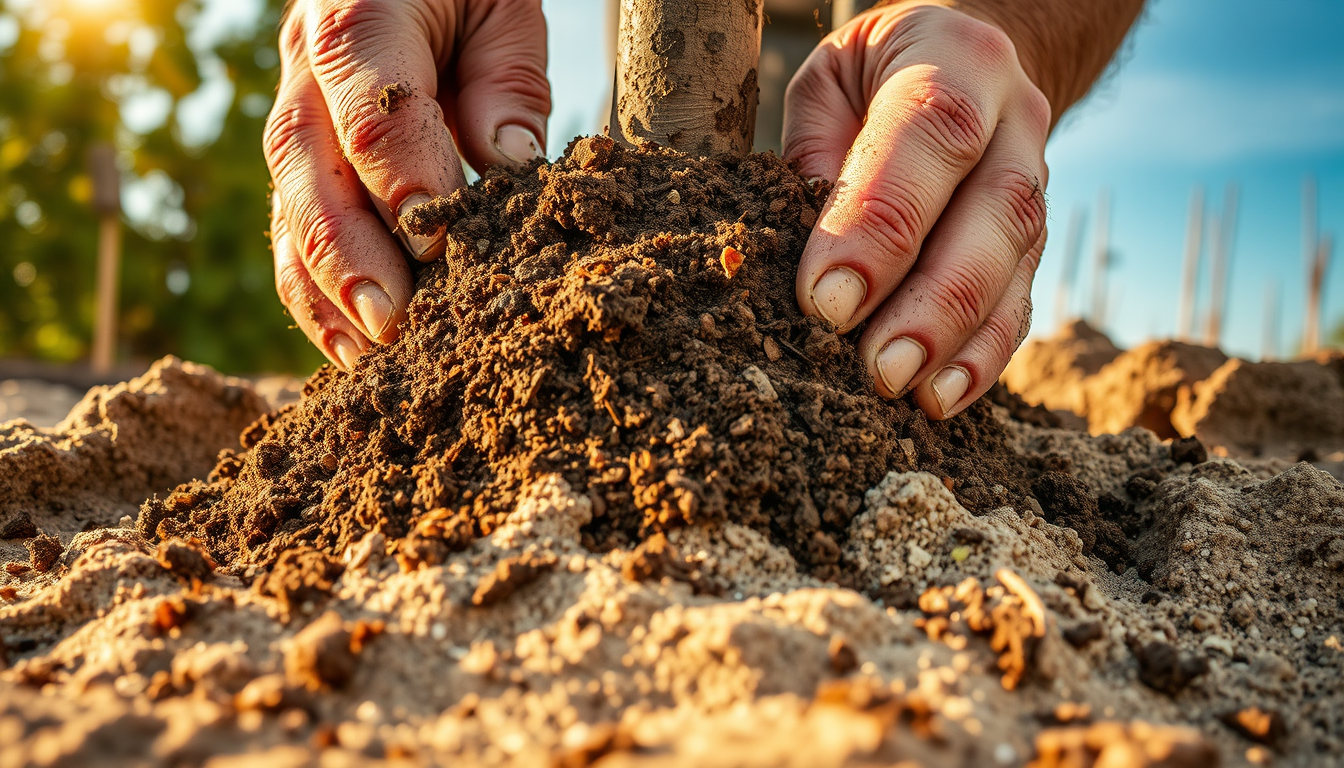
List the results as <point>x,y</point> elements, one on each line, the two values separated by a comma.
<point>686,74</point>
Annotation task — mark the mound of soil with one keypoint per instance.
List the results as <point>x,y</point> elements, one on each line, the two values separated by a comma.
<point>624,319</point>
<point>612,500</point>
<point>1286,409</point>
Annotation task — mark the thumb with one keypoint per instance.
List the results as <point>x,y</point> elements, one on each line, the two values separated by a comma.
<point>502,97</point>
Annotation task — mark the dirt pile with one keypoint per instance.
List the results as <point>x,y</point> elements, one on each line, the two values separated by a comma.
<point>1009,646</point>
<point>623,319</point>
<point>118,445</point>
<point>1182,390</point>
<point>611,500</point>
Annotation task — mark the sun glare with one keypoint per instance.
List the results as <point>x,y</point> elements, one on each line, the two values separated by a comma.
<point>94,7</point>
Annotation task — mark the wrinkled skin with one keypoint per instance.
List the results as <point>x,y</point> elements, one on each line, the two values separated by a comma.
<point>935,137</point>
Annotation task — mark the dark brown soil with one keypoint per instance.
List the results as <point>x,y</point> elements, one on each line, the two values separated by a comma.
<point>583,324</point>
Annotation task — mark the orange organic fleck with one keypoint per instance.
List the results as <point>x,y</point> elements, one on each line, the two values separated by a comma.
<point>731,259</point>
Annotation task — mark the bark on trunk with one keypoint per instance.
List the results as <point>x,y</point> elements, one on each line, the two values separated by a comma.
<point>686,74</point>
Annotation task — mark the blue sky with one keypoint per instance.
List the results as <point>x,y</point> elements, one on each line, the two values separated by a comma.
<point>1209,92</point>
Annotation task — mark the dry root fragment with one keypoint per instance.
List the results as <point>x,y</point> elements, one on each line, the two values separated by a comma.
<point>1013,615</point>
<point>731,259</point>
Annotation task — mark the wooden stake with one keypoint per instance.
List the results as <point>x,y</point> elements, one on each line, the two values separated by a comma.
<point>1311,331</point>
<point>1311,336</point>
<point>686,74</point>
<point>1101,254</point>
<point>107,203</point>
<point>1270,351</point>
<point>1073,250</point>
<point>1223,233</point>
<point>1194,245</point>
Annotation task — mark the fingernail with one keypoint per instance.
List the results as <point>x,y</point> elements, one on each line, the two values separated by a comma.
<point>517,144</point>
<point>898,362</point>
<point>838,294</point>
<point>418,245</point>
<point>374,307</point>
<point>949,386</point>
<point>345,350</point>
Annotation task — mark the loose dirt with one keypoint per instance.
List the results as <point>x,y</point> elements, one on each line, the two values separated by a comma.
<point>604,503</point>
<point>584,324</point>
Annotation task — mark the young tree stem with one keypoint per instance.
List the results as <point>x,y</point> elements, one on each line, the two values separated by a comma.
<point>686,74</point>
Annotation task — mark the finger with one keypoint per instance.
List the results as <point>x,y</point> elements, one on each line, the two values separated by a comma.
<point>502,99</point>
<point>348,252</point>
<point>974,369</point>
<point>377,67</point>
<point>968,261</point>
<point>319,319</point>
<point>927,127</point>
<point>823,111</point>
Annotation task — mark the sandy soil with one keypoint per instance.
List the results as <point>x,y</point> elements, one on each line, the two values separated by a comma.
<point>1016,648</point>
<point>622,505</point>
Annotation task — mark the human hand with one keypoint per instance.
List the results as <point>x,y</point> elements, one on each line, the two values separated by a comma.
<point>935,136</point>
<point>372,95</point>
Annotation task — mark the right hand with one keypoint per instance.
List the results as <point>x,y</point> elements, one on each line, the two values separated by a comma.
<point>341,163</point>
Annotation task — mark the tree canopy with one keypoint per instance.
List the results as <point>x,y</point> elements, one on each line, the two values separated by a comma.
<point>180,89</point>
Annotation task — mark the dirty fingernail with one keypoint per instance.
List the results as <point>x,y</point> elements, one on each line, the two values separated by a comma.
<point>949,386</point>
<point>345,350</point>
<point>420,246</point>
<point>374,307</point>
<point>838,294</point>
<point>898,362</point>
<point>517,144</point>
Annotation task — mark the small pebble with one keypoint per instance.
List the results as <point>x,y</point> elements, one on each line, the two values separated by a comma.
<point>1298,632</point>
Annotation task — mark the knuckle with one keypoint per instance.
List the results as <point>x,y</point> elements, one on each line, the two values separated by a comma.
<point>365,130</point>
<point>318,239</point>
<point>293,38</point>
<point>1025,209</point>
<point>338,30</point>
<point>282,136</point>
<point>963,296</point>
<point>890,217</point>
<point>1038,112</point>
<point>952,119</point>
<point>990,45</point>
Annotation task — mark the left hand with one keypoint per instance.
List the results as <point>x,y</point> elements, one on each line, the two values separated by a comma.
<point>935,137</point>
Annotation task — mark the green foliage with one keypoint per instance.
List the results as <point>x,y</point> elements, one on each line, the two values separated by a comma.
<point>196,277</point>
